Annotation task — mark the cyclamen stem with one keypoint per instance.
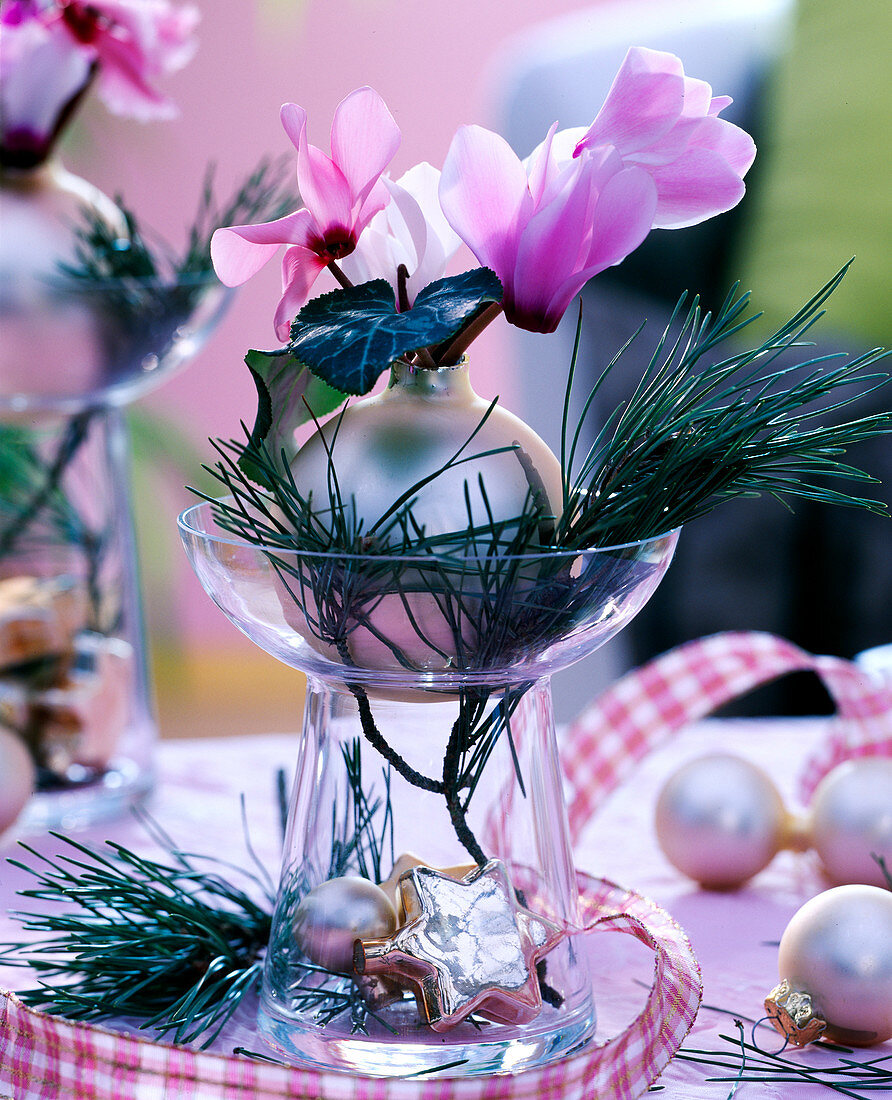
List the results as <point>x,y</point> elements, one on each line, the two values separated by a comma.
<point>453,351</point>
<point>339,275</point>
<point>376,739</point>
<point>451,790</point>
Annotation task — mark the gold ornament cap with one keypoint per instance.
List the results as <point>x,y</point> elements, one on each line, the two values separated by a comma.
<point>793,1015</point>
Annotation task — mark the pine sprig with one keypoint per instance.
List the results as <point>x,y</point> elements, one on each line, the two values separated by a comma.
<point>747,1063</point>
<point>126,253</point>
<point>172,943</point>
<point>695,433</point>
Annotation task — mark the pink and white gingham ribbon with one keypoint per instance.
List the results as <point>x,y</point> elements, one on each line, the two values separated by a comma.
<point>646,707</point>
<point>49,1058</point>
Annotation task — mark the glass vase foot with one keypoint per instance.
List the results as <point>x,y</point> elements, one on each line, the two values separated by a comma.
<point>466,1051</point>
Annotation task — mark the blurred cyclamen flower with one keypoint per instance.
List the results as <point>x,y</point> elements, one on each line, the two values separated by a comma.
<point>342,193</point>
<point>656,156</point>
<point>411,230</point>
<point>51,51</point>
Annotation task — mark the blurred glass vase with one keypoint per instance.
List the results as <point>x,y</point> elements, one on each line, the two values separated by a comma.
<point>428,882</point>
<point>76,348</point>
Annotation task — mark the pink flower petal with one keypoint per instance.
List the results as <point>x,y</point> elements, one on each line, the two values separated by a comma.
<point>541,166</point>
<point>484,195</point>
<point>622,220</point>
<point>301,268</point>
<point>697,98</point>
<point>323,187</point>
<point>728,141</point>
<point>553,244</point>
<point>364,140</point>
<point>695,187</point>
<point>240,251</point>
<point>719,103</point>
<point>644,102</point>
<point>122,81</point>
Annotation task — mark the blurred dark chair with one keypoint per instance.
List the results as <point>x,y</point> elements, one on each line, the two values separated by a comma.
<point>820,577</point>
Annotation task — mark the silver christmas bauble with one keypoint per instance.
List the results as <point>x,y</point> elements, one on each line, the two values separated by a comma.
<point>17,777</point>
<point>335,914</point>
<point>383,445</point>
<point>53,345</point>
<point>851,820</point>
<point>837,951</point>
<point>380,448</point>
<point>720,820</point>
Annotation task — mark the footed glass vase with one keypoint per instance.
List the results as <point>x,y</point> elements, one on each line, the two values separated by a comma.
<point>76,348</point>
<point>428,892</point>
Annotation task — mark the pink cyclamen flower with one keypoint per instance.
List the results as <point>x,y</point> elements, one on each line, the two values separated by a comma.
<point>656,156</point>
<point>341,193</point>
<point>136,41</point>
<point>668,124</point>
<point>52,50</point>
<point>547,226</point>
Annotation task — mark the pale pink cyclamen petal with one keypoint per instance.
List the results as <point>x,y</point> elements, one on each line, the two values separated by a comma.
<point>301,267</point>
<point>542,166</point>
<point>730,142</point>
<point>697,160</point>
<point>485,196</point>
<point>240,251</point>
<point>621,209</point>
<point>697,186</point>
<point>164,34</point>
<point>645,100</point>
<point>364,140</point>
<point>322,185</point>
<point>122,83</point>
<point>41,72</point>
<point>555,239</point>
<point>622,220</point>
<point>719,103</point>
<point>410,230</point>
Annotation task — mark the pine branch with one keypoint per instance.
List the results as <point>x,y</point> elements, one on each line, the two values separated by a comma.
<point>172,943</point>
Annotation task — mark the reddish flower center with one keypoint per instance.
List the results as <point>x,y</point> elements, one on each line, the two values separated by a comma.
<point>83,21</point>
<point>337,243</point>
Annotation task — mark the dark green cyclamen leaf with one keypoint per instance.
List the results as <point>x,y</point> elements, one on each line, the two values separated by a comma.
<point>287,395</point>
<point>348,337</point>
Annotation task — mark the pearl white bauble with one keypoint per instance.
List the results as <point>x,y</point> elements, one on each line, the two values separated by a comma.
<point>851,818</point>
<point>53,342</point>
<point>838,949</point>
<point>336,913</point>
<point>720,820</point>
<point>381,447</point>
<point>17,777</point>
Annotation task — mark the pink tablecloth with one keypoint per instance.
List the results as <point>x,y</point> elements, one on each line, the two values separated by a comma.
<point>732,933</point>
